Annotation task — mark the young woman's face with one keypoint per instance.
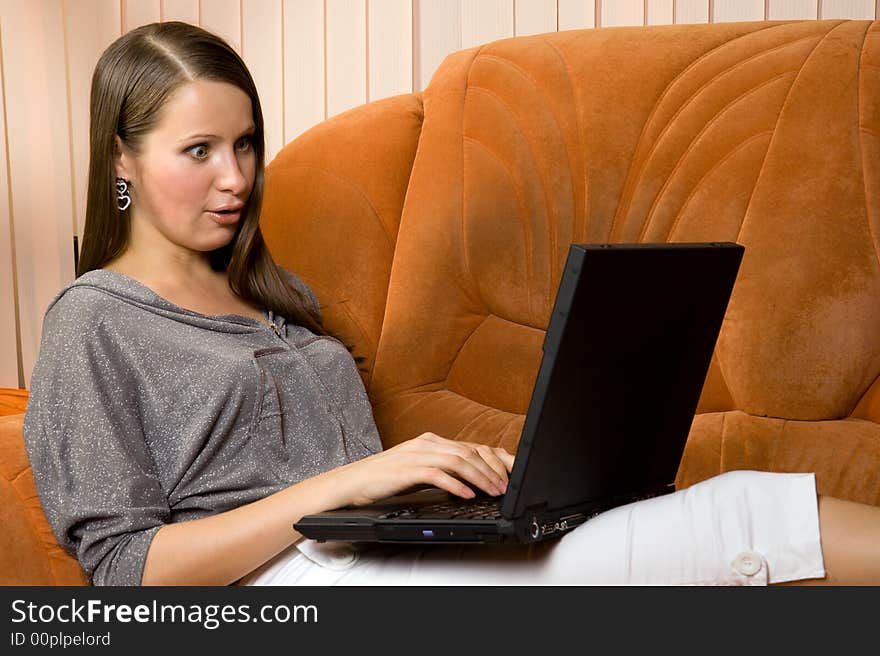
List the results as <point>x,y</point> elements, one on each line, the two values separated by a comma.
<point>195,169</point>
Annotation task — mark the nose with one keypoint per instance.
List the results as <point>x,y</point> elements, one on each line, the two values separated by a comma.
<point>230,176</point>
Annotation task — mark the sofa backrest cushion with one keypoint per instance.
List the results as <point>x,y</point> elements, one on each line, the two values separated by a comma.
<point>763,133</point>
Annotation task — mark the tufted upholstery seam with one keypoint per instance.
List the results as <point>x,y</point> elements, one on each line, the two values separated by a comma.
<point>486,410</point>
<point>776,127</point>
<point>668,89</point>
<point>392,239</point>
<point>628,191</point>
<point>351,315</point>
<point>461,348</point>
<point>693,144</point>
<point>717,164</point>
<point>552,215</point>
<point>861,398</point>
<point>575,234</point>
<point>464,255</point>
<point>861,142</point>
<point>530,246</point>
<point>15,478</point>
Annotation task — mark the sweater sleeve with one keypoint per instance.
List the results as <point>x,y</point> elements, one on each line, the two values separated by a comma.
<point>96,478</point>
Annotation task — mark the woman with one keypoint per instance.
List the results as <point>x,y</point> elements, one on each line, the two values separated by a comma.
<point>188,406</point>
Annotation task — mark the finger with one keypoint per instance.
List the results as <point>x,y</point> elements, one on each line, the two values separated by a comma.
<point>473,469</point>
<point>506,457</point>
<point>500,453</point>
<point>493,462</point>
<point>488,454</point>
<point>439,478</point>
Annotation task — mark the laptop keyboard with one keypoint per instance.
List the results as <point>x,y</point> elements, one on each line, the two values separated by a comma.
<point>483,509</point>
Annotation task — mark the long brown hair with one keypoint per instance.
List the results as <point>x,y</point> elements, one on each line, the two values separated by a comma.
<point>133,79</point>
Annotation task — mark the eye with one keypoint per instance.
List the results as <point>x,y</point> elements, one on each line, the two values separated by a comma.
<point>244,144</point>
<point>199,151</point>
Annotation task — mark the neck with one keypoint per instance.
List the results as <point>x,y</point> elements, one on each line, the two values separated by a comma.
<point>154,260</point>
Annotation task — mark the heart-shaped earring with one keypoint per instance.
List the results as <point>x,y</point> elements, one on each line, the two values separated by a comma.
<point>123,198</point>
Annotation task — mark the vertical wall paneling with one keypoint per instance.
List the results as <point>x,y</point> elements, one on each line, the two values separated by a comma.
<point>90,26</point>
<point>389,48</point>
<point>692,11</point>
<point>140,12</point>
<point>180,10</point>
<point>262,51</point>
<point>623,12</point>
<point>576,14</point>
<point>9,369</point>
<point>858,9</point>
<point>311,59</point>
<point>793,9</point>
<point>39,145</point>
<point>659,12</point>
<point>483,21</point>
<point>436,33</point>
<point>727,11</point>
<point>223,17</point>
<point>534,16</point>
<point>346,54</point>
<point>303,66</point>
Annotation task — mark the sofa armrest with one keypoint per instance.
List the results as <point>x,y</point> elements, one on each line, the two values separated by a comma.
<point>843,453</point>
<point>12,401</point>
<point>29,553</point>
<point>332,207</point>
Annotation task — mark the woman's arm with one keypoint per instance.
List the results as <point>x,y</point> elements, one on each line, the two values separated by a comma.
<point>220,549</point>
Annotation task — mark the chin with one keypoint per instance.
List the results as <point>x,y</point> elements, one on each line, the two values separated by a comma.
<point>208,245</point>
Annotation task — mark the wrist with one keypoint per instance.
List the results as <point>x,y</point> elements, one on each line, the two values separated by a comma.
<point>337,487</point>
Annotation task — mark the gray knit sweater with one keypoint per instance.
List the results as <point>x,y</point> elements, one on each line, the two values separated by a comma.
<point>142,413</point>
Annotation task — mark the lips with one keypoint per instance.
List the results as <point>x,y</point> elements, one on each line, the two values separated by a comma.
<point>226,214</point>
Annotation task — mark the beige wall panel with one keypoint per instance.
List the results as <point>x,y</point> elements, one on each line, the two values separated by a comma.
<point>303,66</point>
<point>39,160</point>
<point>534,16</point>
<point>660,12</point>
<point>389,48</point>
<point>793,9</point>
<point>9,369</point>
<point>180,10</point>
<point>858,9</point>
<point>576,14</point>
<point>436,34</point>
<point>483,21</point>
<point>90,26</point>
<point>692,11</point>
<point>262,51</point>
<point>346,55</point>
<point>622,12</point>
<point>140,12</point>
<point>223,17</point>
<point>729,11</point>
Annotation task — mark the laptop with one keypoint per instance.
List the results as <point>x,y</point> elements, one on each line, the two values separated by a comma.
<point>625,356</point>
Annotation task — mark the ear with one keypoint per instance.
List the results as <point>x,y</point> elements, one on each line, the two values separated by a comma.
<point>123,160</point>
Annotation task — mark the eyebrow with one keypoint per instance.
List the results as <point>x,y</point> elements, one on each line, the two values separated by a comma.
<point>248,130</point>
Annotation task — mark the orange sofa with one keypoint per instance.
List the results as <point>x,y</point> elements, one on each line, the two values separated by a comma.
<point>433,227</point>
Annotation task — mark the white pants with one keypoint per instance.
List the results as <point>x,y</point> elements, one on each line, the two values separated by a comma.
<point>739,528</point>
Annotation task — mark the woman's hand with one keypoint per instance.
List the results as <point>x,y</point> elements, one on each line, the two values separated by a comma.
<point>426,459</point>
